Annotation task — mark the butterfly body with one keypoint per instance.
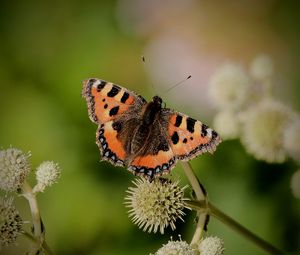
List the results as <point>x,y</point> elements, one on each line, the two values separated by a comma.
<point>145,137</point>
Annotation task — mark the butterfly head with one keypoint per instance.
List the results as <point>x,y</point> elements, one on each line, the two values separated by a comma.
<point>157,100</point>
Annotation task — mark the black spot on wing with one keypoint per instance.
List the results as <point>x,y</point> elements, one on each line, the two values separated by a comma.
<point>184,140</point>
<point>124,97</point>
<point>101,85</point>
<point>175,138</point>
<point>113,111</point>
<point>214,134</point>
<point>114,91</point>
<point>204,130</point>
<point>91,81</point>
<point>190,124</point>
<point>105,106</point>
<point>178,121</point>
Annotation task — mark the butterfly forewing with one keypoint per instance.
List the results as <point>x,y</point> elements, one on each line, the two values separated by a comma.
<point>106,100</point>
<point>189,137</point>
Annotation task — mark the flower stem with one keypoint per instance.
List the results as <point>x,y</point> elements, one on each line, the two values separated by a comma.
<point>35,214</point>
<point>200,195</point>
<point>197,187</point>
<point>199,205</point>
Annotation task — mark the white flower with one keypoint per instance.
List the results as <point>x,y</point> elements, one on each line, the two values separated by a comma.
<point>227,124</point>
<point>14,169</point>
<point>295,184</point>
<point>291,140</point>
<point>229,86</point>
<point>155,205</point>
<point>211,245</point>
<point>10,222</point>
<point>261,68</point>
<point>263,128</point>
<point>46,175</point>
<point>176,248</point>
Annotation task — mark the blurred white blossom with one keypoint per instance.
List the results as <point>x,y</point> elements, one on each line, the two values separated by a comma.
<point>292,139</point>
<point>14,169</point>
<point>263,128</point>
<point>229,86</point>
<point>227,124</point>
<point>261,68</point>
<point>211,245</point>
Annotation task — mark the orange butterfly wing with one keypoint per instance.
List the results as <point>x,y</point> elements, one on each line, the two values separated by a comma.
<point>153,164</point>
<point>106,103</point>
<point>110,147</point>
<point>189,137</point>
<point>106,100</point>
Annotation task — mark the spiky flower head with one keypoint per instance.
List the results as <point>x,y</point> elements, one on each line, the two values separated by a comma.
<point>263,127</point>
<point>10,222</point>
<point>211,245</point>
<point>155,205</point>
<point>227,124</point>
<point>14,169</point>
<point>176,248</point>
<point>229,86</point>
<point>291,139</point>
<point>47,174</point>
<point>295,184</point>
<point>261,68</point>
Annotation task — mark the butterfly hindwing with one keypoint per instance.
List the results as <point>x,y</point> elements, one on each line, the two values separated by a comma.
<point>189,137</point>
<point>111,148</point>
<point>153,165</point>
<point>155,156</point>
<point>106,100</point>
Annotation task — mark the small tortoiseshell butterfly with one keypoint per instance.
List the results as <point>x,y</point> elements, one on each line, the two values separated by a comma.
<point>145,137</point>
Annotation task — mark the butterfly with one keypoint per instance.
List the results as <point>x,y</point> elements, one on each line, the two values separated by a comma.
<point>146,137</point>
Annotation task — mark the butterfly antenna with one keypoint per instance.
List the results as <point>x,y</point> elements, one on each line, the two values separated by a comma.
<point>144,62</point>
<point>178,83</point>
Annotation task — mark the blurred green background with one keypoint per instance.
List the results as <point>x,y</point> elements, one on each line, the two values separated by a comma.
<point>49,47</point>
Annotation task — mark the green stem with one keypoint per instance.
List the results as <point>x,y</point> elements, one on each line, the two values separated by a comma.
<point>200,195</point>
<point>35,214</point>
<point>188,170</point>
<point>199,205</point>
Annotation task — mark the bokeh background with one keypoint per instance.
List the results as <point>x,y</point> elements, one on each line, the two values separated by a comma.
<point>49,47</point>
